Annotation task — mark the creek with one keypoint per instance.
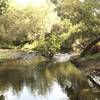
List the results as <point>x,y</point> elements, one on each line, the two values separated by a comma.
<point>41,79</point>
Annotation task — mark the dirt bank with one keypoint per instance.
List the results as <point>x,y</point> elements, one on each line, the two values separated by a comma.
<point>89,67</point>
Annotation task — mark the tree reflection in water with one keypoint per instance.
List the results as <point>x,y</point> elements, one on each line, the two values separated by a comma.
<point>2,97</point>
<point>39,76</point>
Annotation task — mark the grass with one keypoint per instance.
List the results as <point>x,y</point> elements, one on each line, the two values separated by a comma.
<point>4,55</point>
<point>6,46</point>
<point>94,57</point>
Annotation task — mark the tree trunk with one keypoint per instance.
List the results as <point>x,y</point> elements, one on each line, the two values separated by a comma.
<point>89,46</point>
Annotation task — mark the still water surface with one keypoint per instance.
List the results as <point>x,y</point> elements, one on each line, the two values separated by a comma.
<point>39,79</point>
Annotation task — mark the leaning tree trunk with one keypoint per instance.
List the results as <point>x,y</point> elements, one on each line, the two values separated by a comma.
<point>89,46</point>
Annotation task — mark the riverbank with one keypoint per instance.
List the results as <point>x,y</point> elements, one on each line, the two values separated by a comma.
<point>10,54</point>
<point>89,66</point>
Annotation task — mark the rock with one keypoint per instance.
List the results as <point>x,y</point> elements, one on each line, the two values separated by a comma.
<point>61,57</point>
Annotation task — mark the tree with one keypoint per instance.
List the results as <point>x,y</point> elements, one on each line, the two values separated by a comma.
<point>83,15</point>
<point>20,26</point>
<point>89,46</point>
<point>54,39</point>
<point>3,6</point>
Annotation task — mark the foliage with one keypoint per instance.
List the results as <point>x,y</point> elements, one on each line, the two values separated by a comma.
<point>21,26</point>
<point>85,15</point>
<point>39,28</point>
<point>3,6</point>
<point>53,40</point>
<point>50,46</point>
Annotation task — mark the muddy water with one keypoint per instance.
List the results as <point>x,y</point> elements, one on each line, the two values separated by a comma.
<point>39,79</point>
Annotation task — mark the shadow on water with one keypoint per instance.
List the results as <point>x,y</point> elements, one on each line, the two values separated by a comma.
<point>38,79</point>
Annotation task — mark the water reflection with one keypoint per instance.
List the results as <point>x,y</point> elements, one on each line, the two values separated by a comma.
<point>25,94</point>
<point>38,79</point>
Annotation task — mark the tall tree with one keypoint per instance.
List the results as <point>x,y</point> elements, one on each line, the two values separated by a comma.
<point>85,15</point>
<point>19,26</point>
